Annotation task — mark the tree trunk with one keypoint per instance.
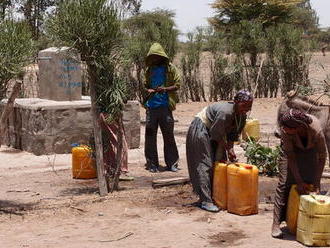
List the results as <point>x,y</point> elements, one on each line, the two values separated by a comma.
<point>3,11</point>
<point>8,109</point>
<point>119,153</point>
<point>97,132</point>
<point>140,82</point>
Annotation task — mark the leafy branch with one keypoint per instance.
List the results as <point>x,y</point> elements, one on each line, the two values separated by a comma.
<point>265,158</point>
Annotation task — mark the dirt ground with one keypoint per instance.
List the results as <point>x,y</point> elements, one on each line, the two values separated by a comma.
<point>42,206</point>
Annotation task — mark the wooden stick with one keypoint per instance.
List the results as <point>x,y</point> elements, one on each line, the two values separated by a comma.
<point>112,240</point>
<point>257,80</point>
<point>120,136</point>
<point>169,181</point>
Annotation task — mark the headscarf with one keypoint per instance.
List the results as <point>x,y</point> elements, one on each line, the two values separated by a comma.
<point>294,119</point>
<point>243,96</point>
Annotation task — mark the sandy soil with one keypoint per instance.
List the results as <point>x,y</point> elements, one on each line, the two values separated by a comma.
<point>42,206</point>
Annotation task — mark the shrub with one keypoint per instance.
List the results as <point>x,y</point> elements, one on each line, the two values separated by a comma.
<point>265,158</point>
<point>16,51</point>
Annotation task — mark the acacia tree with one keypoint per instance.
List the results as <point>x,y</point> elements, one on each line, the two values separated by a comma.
<point>267,12</point>
<point>305,17</point>
<point>246,24</point>
<point>233,15</point>
<point>93,28</point>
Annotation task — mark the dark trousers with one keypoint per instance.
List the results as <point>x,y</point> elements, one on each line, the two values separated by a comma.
<point>163,118</point>
<point>200,159</point>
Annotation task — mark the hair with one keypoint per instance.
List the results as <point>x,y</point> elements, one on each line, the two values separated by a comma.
<point>243,96</point>
<point>294,118</point>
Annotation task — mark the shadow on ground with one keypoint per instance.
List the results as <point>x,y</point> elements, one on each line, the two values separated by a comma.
<point>14,207</point>
<point>80,191</point>
<point>226,239</point>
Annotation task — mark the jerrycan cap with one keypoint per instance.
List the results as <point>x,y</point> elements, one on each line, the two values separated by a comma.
<point>248,166</point>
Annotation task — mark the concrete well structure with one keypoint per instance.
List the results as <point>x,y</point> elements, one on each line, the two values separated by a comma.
<point>42,126</point>
<point>60,116</point>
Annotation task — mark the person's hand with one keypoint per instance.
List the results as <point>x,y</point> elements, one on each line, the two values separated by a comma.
<point>228,145</point>
<point>316,189</point>
<point>303,188</point>
<point>151,91</point>
<point>161,89</point>
<point>231,155</point>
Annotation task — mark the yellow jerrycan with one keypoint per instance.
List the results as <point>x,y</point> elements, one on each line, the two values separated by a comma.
<point>219,191</point>
<point>293,208</point>
<point>83,165</point>
<point>251,129</point>
<point>242,188</point>
<point>314,220</point>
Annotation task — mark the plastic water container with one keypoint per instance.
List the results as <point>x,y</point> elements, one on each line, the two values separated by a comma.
<point>219,192</point>
<point>251,129</point>
<point>293,208</point>
<point>83,165</point>
<point>314,220</point>
<point>242,188</point>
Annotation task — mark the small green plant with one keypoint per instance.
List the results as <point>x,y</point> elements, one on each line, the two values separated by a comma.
<point>265,158</point>
<point>306,90</point>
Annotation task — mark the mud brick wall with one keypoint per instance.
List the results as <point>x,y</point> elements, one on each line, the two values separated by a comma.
<point>42,126</point>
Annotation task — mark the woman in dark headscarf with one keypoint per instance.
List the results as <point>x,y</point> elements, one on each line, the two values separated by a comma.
<point>302,160</point>
<point>210,138</point>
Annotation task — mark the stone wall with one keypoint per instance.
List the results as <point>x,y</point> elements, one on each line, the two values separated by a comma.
<point>132,125</point>
<point>43,126</point>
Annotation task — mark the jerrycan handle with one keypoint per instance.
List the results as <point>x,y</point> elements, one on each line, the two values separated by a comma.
<point>321,201</point>
<point>246,166</point>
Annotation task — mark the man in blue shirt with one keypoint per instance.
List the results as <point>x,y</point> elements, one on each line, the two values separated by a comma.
<point>162,83</point>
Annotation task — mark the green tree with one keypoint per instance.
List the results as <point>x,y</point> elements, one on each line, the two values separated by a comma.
<point>93,28</point>
<point>34,13</point>
<point>190,63</point>
<point>247,38</point>
<point>132,6</point>
<point>16,50</point>
<point>141,31</point>
<point>305,17</point>
<point>267,12</point>
<point>324,36</point>
<point>4,4</point>
<point>292,57</point>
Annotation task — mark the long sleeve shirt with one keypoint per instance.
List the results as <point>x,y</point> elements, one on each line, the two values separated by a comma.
<point>226,125</point>
<point>315,139</point>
